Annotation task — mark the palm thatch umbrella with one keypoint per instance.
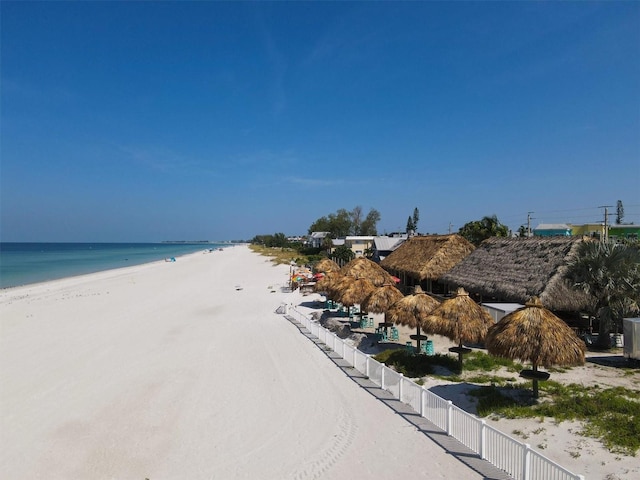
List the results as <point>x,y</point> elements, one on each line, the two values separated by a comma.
<point>413,311</point>
<point>533,333</point>
<point>381,299</point>
<point>351,290</point>
<point>326,265</point>
<point>462,320</point>
<point>364,268</point>
<point>328,284</point>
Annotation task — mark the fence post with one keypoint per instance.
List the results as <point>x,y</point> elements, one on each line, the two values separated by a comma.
<point>483,435</point>
<point>355,351</point>
<point>400,387</point>
<point>526,458</point>
<point>449,416</point>
<point>423,394</point>
<point>382,377</point>
<point>366,366</point>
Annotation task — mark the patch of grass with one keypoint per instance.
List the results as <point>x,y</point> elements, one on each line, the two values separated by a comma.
<point>611,415</point>
<point>413,365</point>
<point>279,255</point>
<point>482,361</point>
<point>492,379</point>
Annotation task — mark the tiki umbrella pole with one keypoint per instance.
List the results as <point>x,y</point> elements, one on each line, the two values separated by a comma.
<point>535,380</point>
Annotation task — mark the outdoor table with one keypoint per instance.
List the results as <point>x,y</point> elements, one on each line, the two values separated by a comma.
<point>418,337</point>
<point>460,350</point>
<point>385,325</point>
<point>534,375</point>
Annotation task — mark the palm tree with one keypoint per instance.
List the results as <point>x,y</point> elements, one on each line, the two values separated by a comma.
<point>610,273</point>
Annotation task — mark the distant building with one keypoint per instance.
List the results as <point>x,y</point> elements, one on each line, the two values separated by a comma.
<point>384,245</point>
<point>552,230</point>
<point>631,232</point>
<point>316,239</point>
<point>359,244</point>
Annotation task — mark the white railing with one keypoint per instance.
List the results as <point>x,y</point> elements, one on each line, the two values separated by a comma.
<point>515,458</point>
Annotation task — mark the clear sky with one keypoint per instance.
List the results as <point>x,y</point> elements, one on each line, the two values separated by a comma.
<point>147,121</point>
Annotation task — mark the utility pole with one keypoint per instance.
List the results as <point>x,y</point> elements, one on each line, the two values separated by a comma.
<point>529,218</point>
<point>605,234</point>
<point>450,225</point>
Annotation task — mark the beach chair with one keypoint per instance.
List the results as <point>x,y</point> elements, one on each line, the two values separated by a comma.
<point>427,347</point>
<point>370,322</point>
<point>409,347</point>
<point>395,335</point>
<point>363,322</point>
<point>383,336</point>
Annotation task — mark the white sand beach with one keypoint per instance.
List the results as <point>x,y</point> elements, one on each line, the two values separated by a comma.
<point>168,371</point>
<point>183,369</point>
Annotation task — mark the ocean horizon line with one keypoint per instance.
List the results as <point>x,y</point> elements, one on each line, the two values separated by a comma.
<point>26,263</point>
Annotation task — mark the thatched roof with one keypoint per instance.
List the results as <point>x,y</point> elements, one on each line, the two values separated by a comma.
<point>351,290</point>
<point>382,298</point>
<point>413,310</point>
<point>461,319</point>
<point>362,267</point>
<point>326,265</point>
<point>328,283</point>
<point>516,269</point>
<point>534,334</point>
<point>427,257</point>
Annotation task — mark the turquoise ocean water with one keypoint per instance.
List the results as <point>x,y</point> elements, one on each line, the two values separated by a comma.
<point>26,263</point>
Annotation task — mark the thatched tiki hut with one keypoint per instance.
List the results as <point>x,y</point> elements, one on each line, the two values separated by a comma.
<point>413,311</point>
<point>326,265</point>
<point>462,320</point>
<point>381,299</point>
<point>536,335</point>
<point>362,267</point>
<point>352,291</point>
<point>423,260</point>
<point>516,269</point>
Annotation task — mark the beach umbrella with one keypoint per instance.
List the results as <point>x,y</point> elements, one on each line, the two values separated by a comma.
<point>351,290</point>
<point>328,283</point>
<point>534,334</point>
<point>412,311</point>
<point>362,267</point>
<point>462,320</point>
<point>381,299</point>
<point>326,265</point>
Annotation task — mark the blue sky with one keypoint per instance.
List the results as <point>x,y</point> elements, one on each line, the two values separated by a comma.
<point>147,121</point>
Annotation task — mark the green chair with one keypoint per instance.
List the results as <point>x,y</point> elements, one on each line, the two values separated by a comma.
<point>427,347</point>
<point>370,322</point>
<point>395,335</point>
<point>409,348</point>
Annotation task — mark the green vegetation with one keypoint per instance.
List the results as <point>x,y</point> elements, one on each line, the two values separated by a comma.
<point>285,255</point>
<point>480,230</point>
<point>609,272</point>
<point>482,361</point>
<point>343,223</point>
<point>413,366</point>
<point>611,415</point>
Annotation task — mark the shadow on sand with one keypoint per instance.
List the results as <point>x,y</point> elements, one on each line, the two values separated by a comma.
<point>449,444</point>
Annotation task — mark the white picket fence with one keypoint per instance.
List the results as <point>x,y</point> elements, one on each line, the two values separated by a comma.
<point>515,458</point>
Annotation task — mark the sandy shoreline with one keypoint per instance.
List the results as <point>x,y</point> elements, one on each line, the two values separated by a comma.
<point>166,370</point>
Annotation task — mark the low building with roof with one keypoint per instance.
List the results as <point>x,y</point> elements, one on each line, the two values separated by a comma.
<point>513,270</point>
<point>384,245</point>
<point>552,230</point>
<point>422,260</point>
